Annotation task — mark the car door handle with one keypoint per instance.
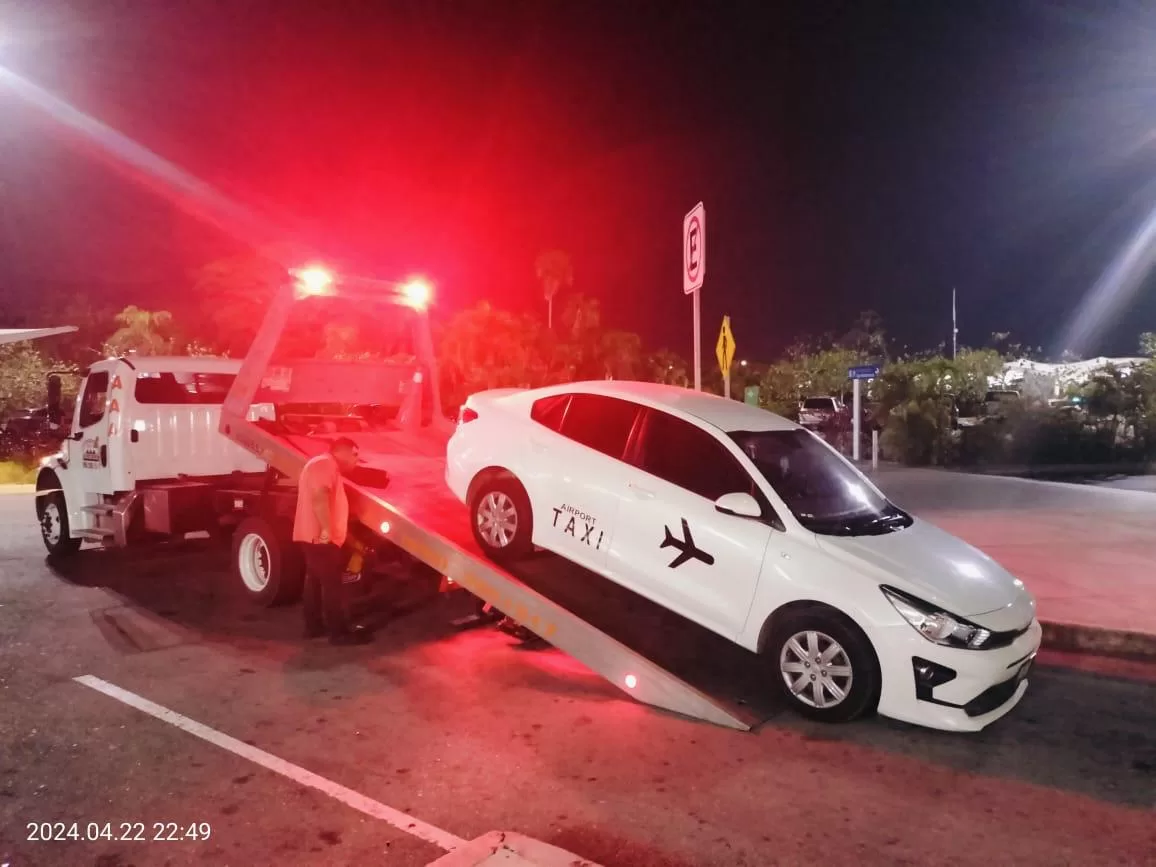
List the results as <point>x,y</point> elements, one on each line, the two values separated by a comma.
<point>641,493</point>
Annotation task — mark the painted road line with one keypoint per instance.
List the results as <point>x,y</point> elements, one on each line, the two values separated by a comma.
<point>401,821</point>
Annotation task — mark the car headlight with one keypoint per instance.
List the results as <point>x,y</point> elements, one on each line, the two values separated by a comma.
<point>936,625</point>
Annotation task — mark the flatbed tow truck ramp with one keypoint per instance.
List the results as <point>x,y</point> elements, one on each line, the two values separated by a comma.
<point>285,408</point>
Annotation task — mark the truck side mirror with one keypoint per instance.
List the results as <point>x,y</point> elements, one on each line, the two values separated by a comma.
<point>55,411</point>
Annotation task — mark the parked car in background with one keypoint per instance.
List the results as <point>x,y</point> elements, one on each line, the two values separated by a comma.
<point>819,411</point>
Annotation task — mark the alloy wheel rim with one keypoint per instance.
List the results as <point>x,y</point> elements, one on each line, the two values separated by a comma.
<point>816,669</point>
<point>497,519</point>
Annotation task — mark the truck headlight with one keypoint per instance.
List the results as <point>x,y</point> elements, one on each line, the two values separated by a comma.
<point>936,625</point>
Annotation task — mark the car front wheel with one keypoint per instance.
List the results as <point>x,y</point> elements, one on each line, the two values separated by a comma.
<point>824,665</point>
<point>501,519</point>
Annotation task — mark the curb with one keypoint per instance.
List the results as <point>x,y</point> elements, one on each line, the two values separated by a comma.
<point>17,489</point>
<point>505,849</point>
<point>1098,641</point>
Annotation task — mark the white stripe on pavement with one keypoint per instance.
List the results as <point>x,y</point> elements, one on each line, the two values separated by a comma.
<point>401,821</point>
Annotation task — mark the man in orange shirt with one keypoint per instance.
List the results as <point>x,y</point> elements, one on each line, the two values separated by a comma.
<point>320,526</point>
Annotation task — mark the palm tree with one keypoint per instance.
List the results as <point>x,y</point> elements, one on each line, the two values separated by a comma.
<point>555,271</point>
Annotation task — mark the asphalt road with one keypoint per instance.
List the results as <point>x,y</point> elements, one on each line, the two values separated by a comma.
<point>471,732</point>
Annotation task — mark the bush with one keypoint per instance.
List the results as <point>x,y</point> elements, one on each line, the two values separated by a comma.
<point>17,473</point>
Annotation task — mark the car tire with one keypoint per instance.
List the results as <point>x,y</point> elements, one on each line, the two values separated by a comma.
<point>52,514</point>
<point>501,519</point>
<point>267,567</point>
<point>823,664</point>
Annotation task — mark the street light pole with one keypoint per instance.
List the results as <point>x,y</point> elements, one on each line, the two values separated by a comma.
<point>954,329</point>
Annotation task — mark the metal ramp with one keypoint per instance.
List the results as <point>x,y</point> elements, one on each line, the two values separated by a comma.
<point>418,513</point>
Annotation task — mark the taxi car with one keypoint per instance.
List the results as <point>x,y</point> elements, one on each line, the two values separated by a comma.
<point>756,529</point>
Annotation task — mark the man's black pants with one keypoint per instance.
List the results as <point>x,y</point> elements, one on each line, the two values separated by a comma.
<point>323,599</point>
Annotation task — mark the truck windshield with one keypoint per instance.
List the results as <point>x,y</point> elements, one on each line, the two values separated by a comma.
<point>822,491</point>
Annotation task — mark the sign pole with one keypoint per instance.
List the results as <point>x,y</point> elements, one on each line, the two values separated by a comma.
<point>693,270</point>
<point>857,374</point>
<point>856,409</point>
<point>697,342</point>
<point>727,383</point>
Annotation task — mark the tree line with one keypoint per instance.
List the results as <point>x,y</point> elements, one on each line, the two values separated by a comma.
<point>917,401</point>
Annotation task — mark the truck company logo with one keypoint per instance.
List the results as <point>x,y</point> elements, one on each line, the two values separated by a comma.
<point>90,452</point>
<point>585,532</point>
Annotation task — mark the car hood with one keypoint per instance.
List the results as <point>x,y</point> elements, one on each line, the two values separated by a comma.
<point>941,569</point>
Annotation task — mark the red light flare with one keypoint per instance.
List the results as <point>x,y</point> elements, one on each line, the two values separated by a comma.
<point>417,292</point>
<point>313,280</point>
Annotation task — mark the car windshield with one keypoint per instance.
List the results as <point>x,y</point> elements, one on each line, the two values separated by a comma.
<point>822,491</point>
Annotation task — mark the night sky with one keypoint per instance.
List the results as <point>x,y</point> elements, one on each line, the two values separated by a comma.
<point>851,155</point>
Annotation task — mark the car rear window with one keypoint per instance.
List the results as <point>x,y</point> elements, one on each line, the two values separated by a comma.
<point>818,403</point>
<point>183,388</point>
<point>549,411</point>
<point>602,423</point>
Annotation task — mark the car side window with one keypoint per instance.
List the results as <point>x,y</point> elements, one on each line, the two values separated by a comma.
<point>549,411</point>
<point>95,397</point>
<point>686,455</point>
<point>602,423</point>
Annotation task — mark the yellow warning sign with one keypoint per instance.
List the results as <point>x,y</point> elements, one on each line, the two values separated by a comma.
<point>724,350</point>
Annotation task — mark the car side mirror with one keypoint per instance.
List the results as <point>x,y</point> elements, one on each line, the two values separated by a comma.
<point>740,505</point>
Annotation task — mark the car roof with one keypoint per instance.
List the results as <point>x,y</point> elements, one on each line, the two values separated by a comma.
<point>729,415</point>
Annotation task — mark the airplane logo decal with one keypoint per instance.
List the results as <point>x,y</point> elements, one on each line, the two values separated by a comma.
<point>686,547</point>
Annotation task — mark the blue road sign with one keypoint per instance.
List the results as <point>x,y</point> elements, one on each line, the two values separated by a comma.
<point>863,371</point>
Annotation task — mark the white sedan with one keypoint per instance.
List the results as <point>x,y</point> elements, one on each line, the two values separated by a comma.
<point>754,528</point>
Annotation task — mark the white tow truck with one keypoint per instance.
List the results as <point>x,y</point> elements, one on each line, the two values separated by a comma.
<point>166,447</point>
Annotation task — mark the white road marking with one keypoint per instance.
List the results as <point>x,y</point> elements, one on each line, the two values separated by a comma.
<point>401,821</point>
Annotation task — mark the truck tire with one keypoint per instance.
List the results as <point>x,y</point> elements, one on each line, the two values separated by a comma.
<point>267,566</point>
<point>52,514</point>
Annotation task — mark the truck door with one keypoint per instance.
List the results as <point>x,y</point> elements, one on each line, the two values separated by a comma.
<point>88,454</point>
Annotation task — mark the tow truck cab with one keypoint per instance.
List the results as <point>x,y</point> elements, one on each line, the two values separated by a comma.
<point>143,448</point>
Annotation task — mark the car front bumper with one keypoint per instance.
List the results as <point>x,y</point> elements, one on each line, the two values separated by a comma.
<point>949,688</point>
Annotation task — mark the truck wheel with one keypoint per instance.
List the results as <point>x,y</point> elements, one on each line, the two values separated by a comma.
<point>501,519</point>
<point>267,566</point>
<point>824,665</point>
<point>52,513</point>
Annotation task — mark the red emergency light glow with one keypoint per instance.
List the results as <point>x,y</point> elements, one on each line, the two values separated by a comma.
<point>631,681</point>
<point>417,292</point>
<point>313,280</point>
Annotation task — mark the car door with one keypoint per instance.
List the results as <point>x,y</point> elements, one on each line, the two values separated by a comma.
<point>88,446</point>
<point>673,544</point>
<point>576,446</point>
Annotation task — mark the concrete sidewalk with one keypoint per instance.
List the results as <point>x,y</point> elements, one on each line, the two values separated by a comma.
<point>1087,553</point>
